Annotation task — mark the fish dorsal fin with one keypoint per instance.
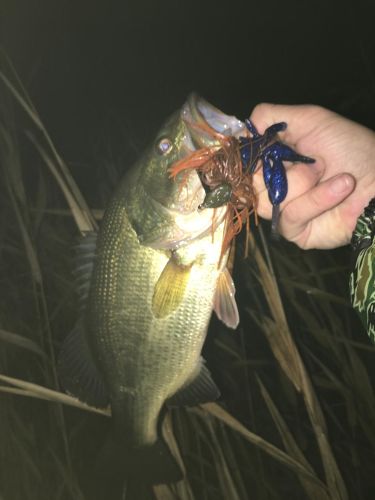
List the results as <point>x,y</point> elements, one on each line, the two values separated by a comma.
<point>225,305</point>
<point>83,266</point>
<point>201,389</point>
<point>170,288</point>
<point>77,371</point>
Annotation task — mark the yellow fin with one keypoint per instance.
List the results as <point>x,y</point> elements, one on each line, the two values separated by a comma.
<point>225,305</point>
<point>170,288</point>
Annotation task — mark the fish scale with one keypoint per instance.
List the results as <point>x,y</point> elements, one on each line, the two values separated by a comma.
<point>157,265</point>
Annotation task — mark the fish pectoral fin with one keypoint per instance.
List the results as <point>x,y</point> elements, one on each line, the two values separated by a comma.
<point>225,305</point>
<point>77,371</point>
<point>201,389</point>
<point>170,288</point>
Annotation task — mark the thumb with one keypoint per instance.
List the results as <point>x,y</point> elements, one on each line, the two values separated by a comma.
<point>301,119</point>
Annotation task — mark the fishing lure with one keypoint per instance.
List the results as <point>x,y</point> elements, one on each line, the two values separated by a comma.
<point>226,170</point>
<point>272,153</point>
<point>224,179</point>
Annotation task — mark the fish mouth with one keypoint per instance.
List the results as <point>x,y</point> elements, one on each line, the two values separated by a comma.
<point>206,126</point>
<point>201,118</point>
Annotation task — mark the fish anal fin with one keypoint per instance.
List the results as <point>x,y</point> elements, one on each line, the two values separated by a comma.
<point>225,305</point>
<point>201,389</point>
<point>77,371</point>
<point>170,288</point>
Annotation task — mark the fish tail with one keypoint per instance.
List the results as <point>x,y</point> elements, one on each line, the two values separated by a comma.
<point>148,465</point>
<point>154,464</point>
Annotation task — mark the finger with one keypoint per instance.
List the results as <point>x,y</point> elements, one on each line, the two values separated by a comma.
<point>301,178</point>
<point>301,119</point>
<point>298,214</point>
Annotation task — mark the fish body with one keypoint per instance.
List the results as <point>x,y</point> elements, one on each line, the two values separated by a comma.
<point>154,282</point>
<point>145,358</point>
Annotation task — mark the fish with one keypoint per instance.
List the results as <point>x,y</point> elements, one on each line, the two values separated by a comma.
<point>149,281</point>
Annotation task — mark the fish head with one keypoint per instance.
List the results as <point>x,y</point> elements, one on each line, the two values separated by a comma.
<point>172,216</point>
<point>171,144</point>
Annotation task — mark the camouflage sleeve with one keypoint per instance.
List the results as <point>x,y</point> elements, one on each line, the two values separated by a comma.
<point>362,277</point>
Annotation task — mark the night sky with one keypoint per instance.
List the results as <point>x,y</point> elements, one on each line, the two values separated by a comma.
<point>93,68</point>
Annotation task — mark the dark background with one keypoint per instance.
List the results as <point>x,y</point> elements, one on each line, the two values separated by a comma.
<point>106,72</point>
<point>104,75</point>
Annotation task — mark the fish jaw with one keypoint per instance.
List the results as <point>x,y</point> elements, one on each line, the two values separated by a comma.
<point>199,113</point>
<point>193,222</point>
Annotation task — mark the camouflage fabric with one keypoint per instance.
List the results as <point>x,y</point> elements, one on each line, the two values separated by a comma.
<point>362,278</point>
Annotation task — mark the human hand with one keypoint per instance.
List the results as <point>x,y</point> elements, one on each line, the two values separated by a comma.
<point>325,198</point>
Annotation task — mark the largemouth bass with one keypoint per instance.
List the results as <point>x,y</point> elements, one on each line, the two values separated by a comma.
<point>154,276</point>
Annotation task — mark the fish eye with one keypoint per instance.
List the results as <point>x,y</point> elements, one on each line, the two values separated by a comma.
<point>164,146</point>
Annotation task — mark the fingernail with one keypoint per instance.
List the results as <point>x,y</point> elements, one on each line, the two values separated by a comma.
<point>340,184</point>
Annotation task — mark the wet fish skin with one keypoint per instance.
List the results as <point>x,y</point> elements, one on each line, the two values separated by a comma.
<point>151,223</point>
